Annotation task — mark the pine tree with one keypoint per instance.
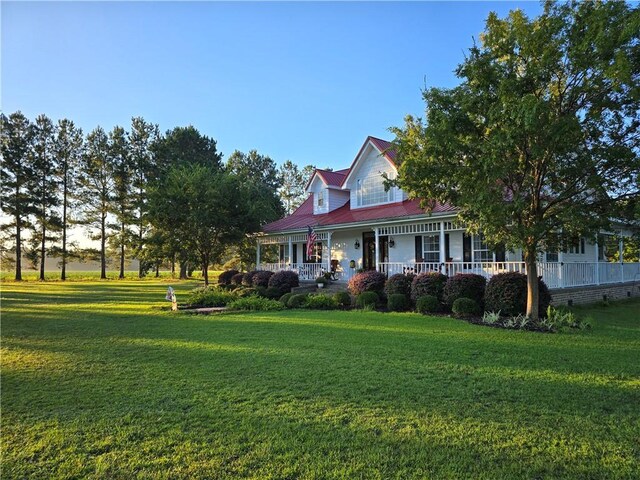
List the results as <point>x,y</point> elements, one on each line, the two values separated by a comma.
<point>97,190</point>
<point>15,172</point>
<point>68,151</point>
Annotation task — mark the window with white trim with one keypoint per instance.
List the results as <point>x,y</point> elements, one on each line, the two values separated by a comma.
<point>551,257</point>
<point>481,251</point>
<point>320,197</point>
<point>431,248</point>
<point>576,247</point>
<point>370,191</point>
<point>284,253</point>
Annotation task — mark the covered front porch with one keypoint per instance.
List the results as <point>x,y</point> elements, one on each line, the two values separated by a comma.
<point>441,246</point>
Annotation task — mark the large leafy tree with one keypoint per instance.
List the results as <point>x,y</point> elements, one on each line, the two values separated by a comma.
<point>16,171</point>
<point>208,208</point>
<point>184,146</point>
<point>293,181</point>
<point>68,151</point>
<point>97,190</point>
<point>142,137</point>
<point>45,189</point>
<point>541,138</point>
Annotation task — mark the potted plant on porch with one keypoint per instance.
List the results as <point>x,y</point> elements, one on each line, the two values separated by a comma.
<point>321,281</point>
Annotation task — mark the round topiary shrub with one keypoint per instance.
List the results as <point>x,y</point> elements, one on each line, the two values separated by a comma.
<point>343,299</point>
<point>247,278</point>
<point>398,283</point>
<point>237,279</point>
<point>245,292</point>
<point>465,307</point>
<point>468,285</point>
<point>321,302</point>
<point>298,300</point>
<point>261,278</point>
<point>284,280</point>
<point>273,293</point>
<point>367,300</point>
<point>397,302</point>
<point>429,283</point>
<point>427,304</point>
<point>226,276</point>
<point>284,299</point>
<point>507,293</point>
<point>369,281</point>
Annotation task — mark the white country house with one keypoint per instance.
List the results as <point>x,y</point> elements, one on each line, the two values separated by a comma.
<point>360,225</point>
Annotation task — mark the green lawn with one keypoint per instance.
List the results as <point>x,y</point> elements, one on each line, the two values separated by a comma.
<point>99,381</point>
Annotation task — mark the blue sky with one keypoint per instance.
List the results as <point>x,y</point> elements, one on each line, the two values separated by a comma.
<point>300,81</point>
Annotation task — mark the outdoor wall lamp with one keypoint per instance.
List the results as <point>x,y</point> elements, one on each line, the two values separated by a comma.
<point>356,245</point>
<point>392,243</point>
<point>352,264</point>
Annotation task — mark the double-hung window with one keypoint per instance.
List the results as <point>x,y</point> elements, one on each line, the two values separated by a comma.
<point>481,251</point>
<point>320,196</point>
<point>431,248</point>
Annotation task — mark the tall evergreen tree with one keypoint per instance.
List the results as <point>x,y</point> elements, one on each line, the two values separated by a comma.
<point>96,190</point>
<point>68,151</point>
<point>145,171</point>
<point>45,188</point>
<point>123,206</point>
<point>293,182</point>
<point>15,173</point>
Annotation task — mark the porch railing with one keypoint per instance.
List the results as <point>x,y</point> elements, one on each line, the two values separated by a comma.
<point>554,274</point>
<point>306,271</point>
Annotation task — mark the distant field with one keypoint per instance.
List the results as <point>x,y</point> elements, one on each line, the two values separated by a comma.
<point>52,276</point>
<point>101,380</point>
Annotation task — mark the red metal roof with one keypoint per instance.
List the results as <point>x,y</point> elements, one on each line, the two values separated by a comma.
<point>304,216</point>
<point>385,147</point>
<point>333,179</point>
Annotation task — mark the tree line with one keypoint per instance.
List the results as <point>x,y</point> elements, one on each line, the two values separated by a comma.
<point>159,198</point>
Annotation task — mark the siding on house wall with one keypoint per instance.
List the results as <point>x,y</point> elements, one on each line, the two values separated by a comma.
<point>372,164</point>
<point>337,198</point>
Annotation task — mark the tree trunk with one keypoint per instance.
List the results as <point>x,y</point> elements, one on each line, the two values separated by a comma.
<point>42,250</point>
<point>63,273</point>
<point>18,247</point>
<point>205,269</point>
<point>157,270</point>
<point>532,284</point>
<point>122,229</point>
<point>183,270</point>
<point>173,265</point>
<point>103,257</point>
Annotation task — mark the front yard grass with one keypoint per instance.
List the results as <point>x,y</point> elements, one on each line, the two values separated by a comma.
<point>99,381</point>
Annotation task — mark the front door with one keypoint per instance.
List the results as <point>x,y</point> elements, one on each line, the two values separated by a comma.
<point>369,250</point>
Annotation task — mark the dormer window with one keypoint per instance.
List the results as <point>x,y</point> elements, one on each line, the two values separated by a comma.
<point>320,196</point>
<point>370,191</point>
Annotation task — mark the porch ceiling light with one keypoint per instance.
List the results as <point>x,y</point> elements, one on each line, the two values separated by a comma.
<point>356,245</point>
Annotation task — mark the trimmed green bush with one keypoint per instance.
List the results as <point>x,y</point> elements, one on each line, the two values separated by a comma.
<point>247,278</point>
<point>255,303</point>
<point>468,285</point>
<point>507,293</point>
<point>298,300</point>
<point>273,293</point>
<point>243,291</point>
<point>427,304</point>
<point>429,283</point>
<point>237,279</point>
<point>343,299</point>
<point>367,300</point>
<point>321,302</point>
<point>284,299</point>
<point>225,277</point>
<point>398,283</point>
<point>210,297</point>
<point>465,307</point>
<point>397,302</point>
<point>261,278</point>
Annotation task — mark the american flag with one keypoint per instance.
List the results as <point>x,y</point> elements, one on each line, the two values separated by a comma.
<point>311,241</point>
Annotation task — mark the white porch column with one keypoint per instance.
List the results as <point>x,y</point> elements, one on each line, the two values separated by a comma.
<point>290,252</point>
<point>443,252</point>
<point>621,253</point>
<point>377,230</point>
<point>328,251</point>
<point>258,254</point>
<point>560,267</point>
<point>597,262</point>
